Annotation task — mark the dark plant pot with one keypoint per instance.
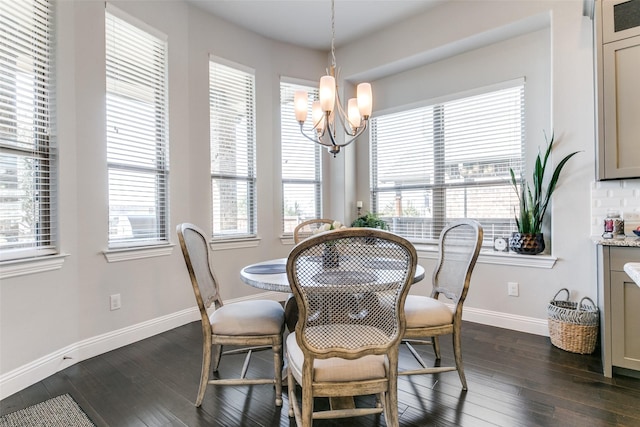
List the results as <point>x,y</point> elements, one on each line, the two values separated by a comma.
<point>330,257</point>
<point>526,243</point>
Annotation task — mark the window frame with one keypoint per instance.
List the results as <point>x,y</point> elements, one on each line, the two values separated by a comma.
<point>438,185</point>
<point>250,178</point>
<point>31,136</point>
<point>129,86</point>
<point>287,116</point>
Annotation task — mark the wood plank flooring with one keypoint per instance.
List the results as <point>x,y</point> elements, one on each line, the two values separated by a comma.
<point>515,379</point>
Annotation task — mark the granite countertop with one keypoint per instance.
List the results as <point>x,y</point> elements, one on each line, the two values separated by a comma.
<point>629,241</point>
<point>633,270</point>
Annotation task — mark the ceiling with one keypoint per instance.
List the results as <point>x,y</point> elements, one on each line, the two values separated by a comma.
<point>307,23</point>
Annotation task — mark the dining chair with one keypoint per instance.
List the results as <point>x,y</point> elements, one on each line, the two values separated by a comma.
<point>428,317</point>
<point>305,229</point>
<point>258,324</point>
<point>350,322</point>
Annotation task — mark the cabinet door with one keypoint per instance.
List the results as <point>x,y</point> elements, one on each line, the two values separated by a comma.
<point>625,321</point>
<point>620,19</point>
<point>621,91</point>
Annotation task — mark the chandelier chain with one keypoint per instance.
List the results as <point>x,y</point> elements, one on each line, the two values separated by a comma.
<point>333,33</point>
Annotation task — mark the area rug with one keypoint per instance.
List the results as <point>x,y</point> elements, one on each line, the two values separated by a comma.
<point>61,411</point>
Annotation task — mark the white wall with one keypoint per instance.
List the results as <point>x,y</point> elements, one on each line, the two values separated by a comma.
<point>464,44</point>
<point>48,315</point>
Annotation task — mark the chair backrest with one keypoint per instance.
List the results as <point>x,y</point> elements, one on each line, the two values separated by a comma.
<point>350,286</point>
<point>305,229</point>
<point>459,246</point>
<point>196,255</point>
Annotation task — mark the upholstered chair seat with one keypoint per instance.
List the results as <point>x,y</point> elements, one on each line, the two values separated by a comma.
<point>248,318</point>
<point>425,312</point>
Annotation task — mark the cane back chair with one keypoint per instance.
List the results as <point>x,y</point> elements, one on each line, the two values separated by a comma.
<point>305,229</point>
<point>350,295</point>
<point>458,247</point>
<point>258,324</point>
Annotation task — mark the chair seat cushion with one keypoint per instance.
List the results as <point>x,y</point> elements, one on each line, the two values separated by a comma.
<point>426,312</point>
<point>336,369</point>
<point>259,317</point>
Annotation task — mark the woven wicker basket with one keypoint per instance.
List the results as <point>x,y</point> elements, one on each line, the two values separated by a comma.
<point>573,326</point>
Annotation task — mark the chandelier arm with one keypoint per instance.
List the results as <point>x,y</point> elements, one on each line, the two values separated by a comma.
<point>313,139</point>
<point>357,134</point>
<point>346,125</point>
<point>342,115</point>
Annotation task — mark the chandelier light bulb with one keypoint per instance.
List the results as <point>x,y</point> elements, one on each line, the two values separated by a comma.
<point>353,113</point>
<point>327,93</point>
<point>300,102</point>
<point>318,116</point>
<point>365,99</point>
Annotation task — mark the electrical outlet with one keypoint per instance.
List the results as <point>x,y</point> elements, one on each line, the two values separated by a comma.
<point>116,303</point>
<point>512,289</point>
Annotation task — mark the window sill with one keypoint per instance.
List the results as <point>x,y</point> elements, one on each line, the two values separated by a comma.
<point>128,254</point>
<point>287,239</point>
<point>24,267</point>
<point>242,243</point>
<point>489,256</point>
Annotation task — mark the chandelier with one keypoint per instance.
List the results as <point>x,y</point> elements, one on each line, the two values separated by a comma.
<point>327,112</point>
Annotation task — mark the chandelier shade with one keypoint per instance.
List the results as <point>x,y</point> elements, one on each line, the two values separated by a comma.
<point>327,113</point>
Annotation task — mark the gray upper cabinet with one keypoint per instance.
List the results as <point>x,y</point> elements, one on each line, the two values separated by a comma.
<point>618,81</point>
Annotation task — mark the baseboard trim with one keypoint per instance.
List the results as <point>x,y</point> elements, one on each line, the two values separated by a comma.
<point>29,374</point>
<point>26,375</point>
<point>530,325</point>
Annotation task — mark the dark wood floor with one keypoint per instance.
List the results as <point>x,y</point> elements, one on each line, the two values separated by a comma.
<point>515,379</point>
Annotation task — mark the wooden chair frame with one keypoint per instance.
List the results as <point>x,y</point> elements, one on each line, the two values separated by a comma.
<point>210,339</point>
<point>299,233</point>
<point>414,335</point>
<point>384,388</point>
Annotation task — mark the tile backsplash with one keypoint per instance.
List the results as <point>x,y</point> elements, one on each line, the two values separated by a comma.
<point>622,196</point>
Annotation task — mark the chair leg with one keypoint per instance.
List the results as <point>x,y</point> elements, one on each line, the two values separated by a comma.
<point>217,355</point>
<point>435,341</point>
<point>391,407</point>
<point>206,369</point>
<point>457,351</point>
<point>391,396</point>
<point>291,390</point>
<point>307,404</point>
<point>277,366</point>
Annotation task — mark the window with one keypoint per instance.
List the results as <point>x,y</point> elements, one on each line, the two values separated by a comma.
<point>301,167</point>
<point>233,148</point>
<point>27,151</point>
<point>137,156</point>
<point>437,163</point>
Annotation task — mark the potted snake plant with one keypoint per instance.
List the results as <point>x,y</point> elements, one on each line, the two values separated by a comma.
<point>533,202</point>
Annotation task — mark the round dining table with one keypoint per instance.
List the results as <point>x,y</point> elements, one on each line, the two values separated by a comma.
<point>272,276</point>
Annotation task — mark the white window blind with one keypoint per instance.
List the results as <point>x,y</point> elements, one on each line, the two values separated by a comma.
<point>301,164</point>
<point>233,147</point>
<point>137,146</point>
<point>438,163</point>
<point>28,194</point>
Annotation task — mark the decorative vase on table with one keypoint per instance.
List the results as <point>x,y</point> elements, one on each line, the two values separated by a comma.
<point>330,256</point>
<point>526,243</point>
